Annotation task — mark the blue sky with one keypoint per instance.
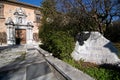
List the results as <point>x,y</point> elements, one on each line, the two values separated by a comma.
<point>33,2</point>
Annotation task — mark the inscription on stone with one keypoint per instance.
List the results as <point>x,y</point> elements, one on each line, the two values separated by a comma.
<point>94,48</point>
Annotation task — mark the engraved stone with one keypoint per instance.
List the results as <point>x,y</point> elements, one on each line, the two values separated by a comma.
<point>95,48</point>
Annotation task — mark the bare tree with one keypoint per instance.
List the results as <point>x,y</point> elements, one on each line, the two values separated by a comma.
<point>102,11</point>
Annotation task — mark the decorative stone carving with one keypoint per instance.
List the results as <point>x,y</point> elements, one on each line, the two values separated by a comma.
<point>10,31</point>
<point>9,21</point>
<point>20,23</point>
<point>20,16</point>
<point>29,24</point>
<point>20,12</point>
<point>93,47</point>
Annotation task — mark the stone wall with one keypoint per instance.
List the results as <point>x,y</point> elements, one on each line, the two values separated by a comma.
<point>9,12</point>
<point>10,8</point>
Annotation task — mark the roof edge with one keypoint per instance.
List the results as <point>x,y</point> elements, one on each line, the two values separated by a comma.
<point>22,3</point>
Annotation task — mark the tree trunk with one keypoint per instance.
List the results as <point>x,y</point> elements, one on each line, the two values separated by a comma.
<point>100,28</point>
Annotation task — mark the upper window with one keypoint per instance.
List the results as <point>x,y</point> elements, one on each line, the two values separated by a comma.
<point>1,11</point>
<point>37,18</point>
<point>20,19</point>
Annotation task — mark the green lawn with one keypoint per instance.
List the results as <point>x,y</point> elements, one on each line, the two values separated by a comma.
<point>99,72</point>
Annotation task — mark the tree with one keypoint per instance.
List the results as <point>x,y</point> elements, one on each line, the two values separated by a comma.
<point>81,15</point>
<point>101,12</point>
<point>113,32</point>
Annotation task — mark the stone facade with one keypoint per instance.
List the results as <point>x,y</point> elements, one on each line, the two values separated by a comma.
<point>19,21</point>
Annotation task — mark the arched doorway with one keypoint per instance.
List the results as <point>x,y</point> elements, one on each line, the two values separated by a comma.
<point>20,36</point>
<point>20,31</point>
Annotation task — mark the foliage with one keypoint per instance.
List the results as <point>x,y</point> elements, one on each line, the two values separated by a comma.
<point>113,32</point>
<point>58,20</point>
<point>59,28</point>
<point>102,12</point>
<point>60,44</point>
<point>103,74</point>
<point>117,45</point>
<point>95,71</point>
<point>57,38</point>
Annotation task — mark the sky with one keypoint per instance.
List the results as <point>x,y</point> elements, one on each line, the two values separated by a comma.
<point>33,2</point>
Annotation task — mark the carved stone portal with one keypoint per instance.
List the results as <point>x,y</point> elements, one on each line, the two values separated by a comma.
<point>19,31</point>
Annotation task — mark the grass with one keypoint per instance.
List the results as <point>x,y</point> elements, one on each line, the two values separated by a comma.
<point>61,44</point>
<point>99,72</point>
<point>117,45</point>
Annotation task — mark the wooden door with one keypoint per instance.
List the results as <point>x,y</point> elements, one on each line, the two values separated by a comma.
<point>20,36</point>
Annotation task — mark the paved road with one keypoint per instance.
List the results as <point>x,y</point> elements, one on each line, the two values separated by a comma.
<point>33,67</point>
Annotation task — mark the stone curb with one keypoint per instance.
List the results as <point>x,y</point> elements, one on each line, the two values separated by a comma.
<point>43,52</point>
<point>69,72</point>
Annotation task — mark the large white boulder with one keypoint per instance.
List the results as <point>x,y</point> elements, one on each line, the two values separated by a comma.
<point>93,47</point>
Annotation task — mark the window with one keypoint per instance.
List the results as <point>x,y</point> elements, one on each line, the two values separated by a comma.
<point>1,10</point>
<point>37,18</point>
<point>20,20</point>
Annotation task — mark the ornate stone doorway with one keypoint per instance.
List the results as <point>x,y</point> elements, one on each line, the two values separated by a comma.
<point>19,30</point>
<point>20,36</point>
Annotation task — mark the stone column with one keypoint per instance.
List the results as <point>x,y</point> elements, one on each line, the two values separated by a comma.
<point>10,32</point>
<point>10,35</point>
<point>29,35</point>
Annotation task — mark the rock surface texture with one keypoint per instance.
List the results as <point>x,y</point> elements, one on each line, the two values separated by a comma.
<point>93,47</point>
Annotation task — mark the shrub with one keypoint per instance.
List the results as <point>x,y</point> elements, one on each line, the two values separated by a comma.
<point>113,33</point>
<point>117,45</point>
<point>60,43</point>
